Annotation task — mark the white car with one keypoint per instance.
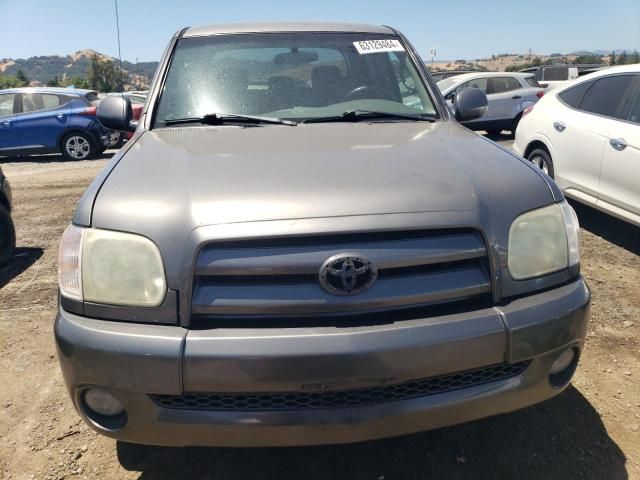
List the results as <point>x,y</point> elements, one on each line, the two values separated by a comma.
<point>508,94</point>
<point>587,137</point>
<point>551,77</point>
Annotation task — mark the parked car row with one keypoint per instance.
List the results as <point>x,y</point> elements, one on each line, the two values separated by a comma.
<point>43,120</point>
<point>48,120</point>
<point>508,95</point>
<point>586,136</point>
<point>583,130</point>
<point>40,120</point>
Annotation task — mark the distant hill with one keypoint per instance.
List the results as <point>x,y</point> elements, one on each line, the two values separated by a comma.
<point>617,51</point>
<point>44,68</point>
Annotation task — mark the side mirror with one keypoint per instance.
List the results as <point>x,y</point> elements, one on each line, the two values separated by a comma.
<point>470,103</point>
<point>115,113</point>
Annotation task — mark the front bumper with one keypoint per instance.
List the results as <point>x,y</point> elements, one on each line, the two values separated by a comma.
<point>101,135</point>
<point>132,361</point>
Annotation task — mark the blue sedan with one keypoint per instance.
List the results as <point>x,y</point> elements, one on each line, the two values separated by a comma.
<point>36,120</point>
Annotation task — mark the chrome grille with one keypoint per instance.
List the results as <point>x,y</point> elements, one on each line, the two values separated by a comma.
<point>279,277</point>
<point>340,398</point>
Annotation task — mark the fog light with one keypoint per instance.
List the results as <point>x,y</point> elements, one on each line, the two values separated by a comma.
<point>103,403</point>
<point>563,361</point>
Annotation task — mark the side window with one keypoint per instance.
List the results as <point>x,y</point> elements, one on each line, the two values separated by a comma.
<point>532,82</point>
<point>64,99</point>
<point>32,102</point>
<point>573,96</point>
<point>6,104</point>
<point>634,107</point>
<point>503,84</point>
<point>607,96</point>
<point>556,73</point>
<point>480,83</point>
<point>407,83</point>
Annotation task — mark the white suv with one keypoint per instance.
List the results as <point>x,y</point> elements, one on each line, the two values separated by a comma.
<point>587,137</point>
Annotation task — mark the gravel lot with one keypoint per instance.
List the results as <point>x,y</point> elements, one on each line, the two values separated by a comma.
<point>590,431</point>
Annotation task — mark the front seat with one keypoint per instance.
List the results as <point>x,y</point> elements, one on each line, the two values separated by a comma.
<point>327,85</point>
<point>27,104</point>
<point>281,93</point>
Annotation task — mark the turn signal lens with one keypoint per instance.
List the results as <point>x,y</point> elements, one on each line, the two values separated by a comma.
<point>69,263</point>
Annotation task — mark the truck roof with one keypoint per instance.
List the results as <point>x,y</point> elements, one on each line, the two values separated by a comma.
<point>264,27</point>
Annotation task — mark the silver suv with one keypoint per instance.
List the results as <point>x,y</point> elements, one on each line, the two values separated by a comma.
<point>301,245</point>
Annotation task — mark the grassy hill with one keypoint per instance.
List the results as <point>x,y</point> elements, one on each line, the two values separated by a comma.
<point>43,69</point>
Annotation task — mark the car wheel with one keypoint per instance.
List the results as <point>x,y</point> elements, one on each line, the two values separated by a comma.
<point>7,236</point>
<point>541,159</point>
<point>78,146</point>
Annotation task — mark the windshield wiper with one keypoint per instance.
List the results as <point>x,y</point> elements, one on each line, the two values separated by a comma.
<point>358,115</point>
<point>220,118</point>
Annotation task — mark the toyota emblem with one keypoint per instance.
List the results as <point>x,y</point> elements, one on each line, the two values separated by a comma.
<point>347,274</point>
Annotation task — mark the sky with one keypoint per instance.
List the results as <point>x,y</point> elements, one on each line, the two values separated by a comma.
<point>458,29</point>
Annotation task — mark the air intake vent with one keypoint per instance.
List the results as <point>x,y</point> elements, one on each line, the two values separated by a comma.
<point>340,398</point>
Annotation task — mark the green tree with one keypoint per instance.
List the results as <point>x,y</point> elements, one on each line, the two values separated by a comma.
<point>612,58</point>
<point>22,78</point>
<point>9,81</point>
<point>104,76</point>
<point>622,58</point>
<point>78,82</point>
<point>55,82</point>
<point>587,59</point>
<point>634,57</point>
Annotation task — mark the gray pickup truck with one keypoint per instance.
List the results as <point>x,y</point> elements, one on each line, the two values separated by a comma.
<point>301,245</point>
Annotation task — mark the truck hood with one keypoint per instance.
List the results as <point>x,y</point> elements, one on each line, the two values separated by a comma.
<point>178,179</point>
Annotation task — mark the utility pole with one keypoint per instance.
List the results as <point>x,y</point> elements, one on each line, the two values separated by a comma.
<point>432,54</point>
<point>119,53</point>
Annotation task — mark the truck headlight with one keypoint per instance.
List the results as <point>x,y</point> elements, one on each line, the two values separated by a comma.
<point>543,241</point>
<point>115,268</point>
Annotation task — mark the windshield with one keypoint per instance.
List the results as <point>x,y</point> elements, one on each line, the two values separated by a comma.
<point>293,76</point>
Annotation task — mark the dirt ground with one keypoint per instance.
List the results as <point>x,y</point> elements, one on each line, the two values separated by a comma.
<point>590,431</point>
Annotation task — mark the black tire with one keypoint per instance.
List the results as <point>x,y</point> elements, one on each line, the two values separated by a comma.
<point>7,236</point>
<point>78,146</point>
<point>541,159</point>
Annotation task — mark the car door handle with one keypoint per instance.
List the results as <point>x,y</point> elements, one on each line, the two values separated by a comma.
<point>6,123</point>
<point>60,116</point>
<point>618,143</point>
<point>516,97</point>
<point>559,126</point>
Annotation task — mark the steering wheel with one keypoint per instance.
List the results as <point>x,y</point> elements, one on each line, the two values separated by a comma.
<point>363,91</point>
